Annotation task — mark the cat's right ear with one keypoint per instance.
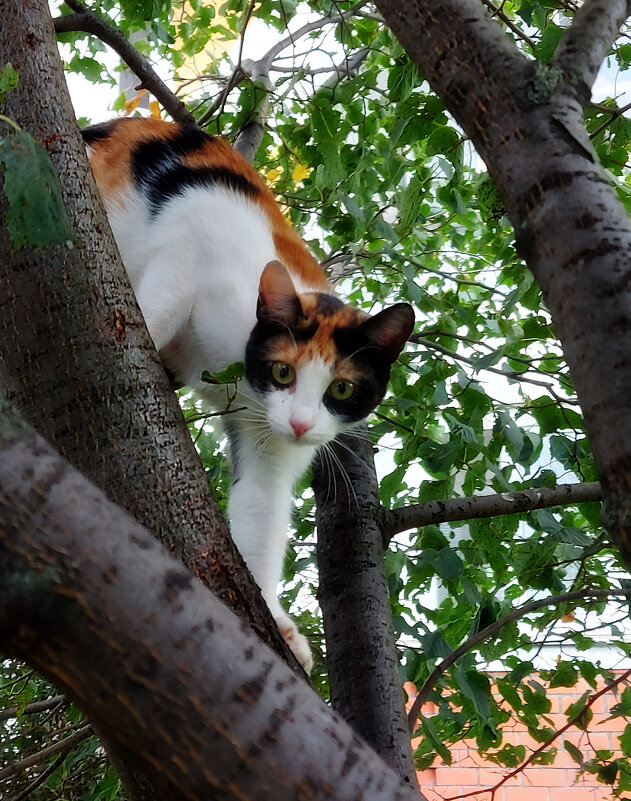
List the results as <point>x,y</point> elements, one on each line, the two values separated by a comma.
<point>278,299</point>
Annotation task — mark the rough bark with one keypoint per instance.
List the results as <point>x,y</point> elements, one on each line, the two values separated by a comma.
<point>162,668</point>
<point>361,656</point>
<point>75,355</point>
<point>525,120</point>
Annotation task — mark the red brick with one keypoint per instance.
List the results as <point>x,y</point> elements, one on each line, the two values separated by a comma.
<point>491,775</point>
<point>525,794</point>
<point>573,794</point>
<point>453,776</point>
<point>546,777</point>
<point>598,740</point>
<point>426,777</point>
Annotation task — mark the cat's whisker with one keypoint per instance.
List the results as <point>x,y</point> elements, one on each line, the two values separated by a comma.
<point>326,465</point>
<point>359,458</point>
<point>350,490</point>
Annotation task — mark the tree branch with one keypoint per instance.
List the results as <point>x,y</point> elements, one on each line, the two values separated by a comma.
<point>588,40</point>
<point>490,631</point>
<point>31,709</point>
<point>292,38</point>
<point>509,23</point>
<point>424,514</point>
<point>570,226</point>
<point>355,601</point>
<point>60,747</point>
<point>39,780</point>
<point>86,21</point>
<point>90,598</point>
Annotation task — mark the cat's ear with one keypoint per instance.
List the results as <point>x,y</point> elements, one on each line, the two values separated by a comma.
<point>278,299</point>
<point>391,328</point>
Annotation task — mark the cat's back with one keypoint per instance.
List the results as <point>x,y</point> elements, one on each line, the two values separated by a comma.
<point>156,173</point>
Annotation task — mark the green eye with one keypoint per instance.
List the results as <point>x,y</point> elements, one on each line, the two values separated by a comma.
<point>341,390</point>
<point>283,374</point>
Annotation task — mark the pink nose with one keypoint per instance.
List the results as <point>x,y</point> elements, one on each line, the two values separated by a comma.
<point>300,428</point>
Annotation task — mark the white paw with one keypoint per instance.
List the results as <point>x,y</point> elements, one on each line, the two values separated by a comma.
<point>295,640</point>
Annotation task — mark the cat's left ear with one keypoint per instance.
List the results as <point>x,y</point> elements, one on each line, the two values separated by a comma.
<point>278,299</point>
<point>391,328</point>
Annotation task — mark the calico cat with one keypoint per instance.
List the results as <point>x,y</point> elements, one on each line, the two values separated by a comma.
<point>221,277</point>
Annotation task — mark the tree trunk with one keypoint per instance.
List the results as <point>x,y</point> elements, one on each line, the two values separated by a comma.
<point>361,655</point>
<point>525,119</point>
<point>163,669</point>
<point>75,355</point>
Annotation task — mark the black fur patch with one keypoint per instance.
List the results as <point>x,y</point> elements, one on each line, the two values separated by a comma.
<point>372,361</point>
<point>95,133</point>
<point>157,168</point>
<point>367,395</point>
<point>257,368</point>
<point>328,304</point>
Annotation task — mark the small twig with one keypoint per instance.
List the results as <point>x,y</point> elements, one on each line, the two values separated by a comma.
<point>60,747</point>
<point>509,23</point>
<point>512,375</point>
<point>492,630</point>
<point>615,113</point>
<point>86,21</point>
<point>292,38</point>
<point>206,415</point>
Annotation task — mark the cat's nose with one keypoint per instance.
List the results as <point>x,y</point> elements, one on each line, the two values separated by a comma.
<point>300,427</point>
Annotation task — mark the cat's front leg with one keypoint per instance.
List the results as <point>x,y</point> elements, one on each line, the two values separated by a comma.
<point>259,510</point>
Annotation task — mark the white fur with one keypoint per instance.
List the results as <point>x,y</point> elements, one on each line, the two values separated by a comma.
<point>195,268</point>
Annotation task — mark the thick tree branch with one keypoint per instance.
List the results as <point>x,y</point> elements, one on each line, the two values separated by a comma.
<point>88,22</point>
<point>89,598</point>
<point>71,312</point>
<point>490,631</point>
<point>424,514</point>
<point>588,40</point>
<point>526,122</point>
<point>355,602</point>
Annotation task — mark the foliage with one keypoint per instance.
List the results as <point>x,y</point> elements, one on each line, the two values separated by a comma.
<point>390,194</point>
<point>36,216</point>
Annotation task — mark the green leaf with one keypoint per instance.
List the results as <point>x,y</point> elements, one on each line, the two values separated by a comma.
<point>230,375</point>
<point>410,203</point>
<point>448,564</point>
<point>565,675</point>
<point>429,730</point>
<point>36,216</point>
<point>8,80</point>
<point>476,688</point>
<point>574,752</point>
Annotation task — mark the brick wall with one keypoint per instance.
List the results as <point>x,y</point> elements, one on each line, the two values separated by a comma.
<point>469,773</point>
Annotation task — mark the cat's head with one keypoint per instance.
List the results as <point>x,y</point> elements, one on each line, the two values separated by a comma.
<point>318,365</point>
